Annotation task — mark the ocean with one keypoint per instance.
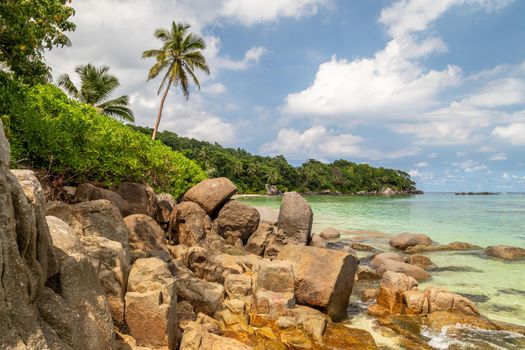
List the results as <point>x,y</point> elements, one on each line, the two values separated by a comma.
<point>496,286</point>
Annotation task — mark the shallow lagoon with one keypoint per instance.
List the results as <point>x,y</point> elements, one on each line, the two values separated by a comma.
<point>497,287</point>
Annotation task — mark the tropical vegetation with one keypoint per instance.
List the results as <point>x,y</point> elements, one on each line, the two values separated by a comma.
<point>96,86</point>
<point>252,173</point>
<point>73,143</point>
<point>180,57</point>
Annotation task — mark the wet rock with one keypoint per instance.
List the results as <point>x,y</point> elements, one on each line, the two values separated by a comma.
<point>87,192</point>
<point>211,194</point>
<point>197,337</point>
<point>406,240</point>
<point>238,219</point>
<point>369,294</point>
<point>365,273</point>
<point>390,297</point>
<point>317,286</point>
<point>420,261</point>
<point>505,252</point>
<point>330,233</point>
<point>457,269</point>
<point>478,298</point>
<point>318,241</point>
<point>295,218</point>
<point>151,304</point>
<point>260,239</point>
<point>140,199</point>
<point>145,236</point>
<point>361,247</point>
<point>512,291</point>
<point>453,246</point>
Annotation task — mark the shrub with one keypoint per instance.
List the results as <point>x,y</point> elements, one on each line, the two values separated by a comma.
<point>72,140</point>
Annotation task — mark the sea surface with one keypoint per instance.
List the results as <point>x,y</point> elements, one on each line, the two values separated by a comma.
<point>497,287</point>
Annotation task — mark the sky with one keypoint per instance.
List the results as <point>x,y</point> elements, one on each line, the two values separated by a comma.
<point>433,87</point>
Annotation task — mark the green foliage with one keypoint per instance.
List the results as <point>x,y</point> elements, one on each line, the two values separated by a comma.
<point>27,28</point>
<point>73,141</point>
<point>96,86</point>
<point>251,173</point>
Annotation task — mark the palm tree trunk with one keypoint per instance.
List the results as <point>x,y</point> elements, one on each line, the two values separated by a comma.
<point>157,121</point>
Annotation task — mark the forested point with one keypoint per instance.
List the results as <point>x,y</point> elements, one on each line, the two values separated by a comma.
<point>254,173</point>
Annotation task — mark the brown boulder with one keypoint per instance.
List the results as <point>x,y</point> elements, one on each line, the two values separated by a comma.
<point>318,241</point>
<point>94,218</point>
<point>393,262</point>
<point>204,296</point>
<point>268,215</point>
<point>260,239</point>
<point>151,303</point>
<point>330,233</point>
<point>87,192</point>
<point>406,240</point>
<point>434,248</point>
<point>505,252</point>
<point>393,286</point>
<point>210,194</point>
<point>140,199</point>
<point>166,204</point>
<point>237,219</point>
<point>420,261</point>
<point>189,224</point>
<point>295,218</point>
<point>145,236</point>
<point>316,285</point>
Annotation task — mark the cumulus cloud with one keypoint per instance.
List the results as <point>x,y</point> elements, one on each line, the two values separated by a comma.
<point>512,133</point>
<point>422,165</point>
<point>498,157</point>
<point>319,142</point>
<point>470,166</point>
<point>421,175</point>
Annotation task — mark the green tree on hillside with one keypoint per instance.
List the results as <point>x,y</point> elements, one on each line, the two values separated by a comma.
<point>96,85</point>
<point>27,29</point>
<point>180,55</point>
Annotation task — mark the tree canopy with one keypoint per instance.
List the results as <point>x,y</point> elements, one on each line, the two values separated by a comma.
<point>96,86</point>
<point>27,29</point>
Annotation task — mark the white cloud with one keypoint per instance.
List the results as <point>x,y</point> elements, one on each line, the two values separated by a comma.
<point>499,92</point>
<point>422,165</point>
<point>498,157</point>
<point>512,133</point>
<point>214,89</point>
<point>470,166</point>
<point>419,175</point>
<point>319,142</point>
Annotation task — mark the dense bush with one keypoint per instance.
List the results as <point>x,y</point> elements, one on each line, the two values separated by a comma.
<point>47,130</point>
<point>251,172</point>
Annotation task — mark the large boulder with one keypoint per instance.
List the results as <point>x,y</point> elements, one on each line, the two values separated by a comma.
<point>237,220</point>
<point>211,194</point>
<point>140,199</point>
<point>434,299</point>
<point>406,240</point>
<point>166,204</point>
<point>316,285</point>
<point>260,239</point>
<point>94,218</point>
<point>146,237</point>
<point>391,289</point>
<point>87,192</point>
<point>273,289</point>
<point>505,252</point>
<point>151,304</point>
<point>206,297</point>
<point>295,218</point>
<point>198,337</point>
<point>189,224</point>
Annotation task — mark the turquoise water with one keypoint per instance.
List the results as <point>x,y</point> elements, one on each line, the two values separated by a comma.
<point>497,286</point>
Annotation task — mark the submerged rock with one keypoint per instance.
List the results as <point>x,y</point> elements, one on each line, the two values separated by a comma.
<point>406,240</point>
<point>506,252</point>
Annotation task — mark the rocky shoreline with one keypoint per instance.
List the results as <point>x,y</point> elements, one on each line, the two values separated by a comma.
<point>132,269</point>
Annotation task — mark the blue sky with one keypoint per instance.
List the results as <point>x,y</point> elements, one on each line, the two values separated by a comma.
<point>433,87</point>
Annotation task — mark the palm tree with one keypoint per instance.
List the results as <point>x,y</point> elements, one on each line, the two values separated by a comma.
<point>96,85</point>
<point>180,55</point>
